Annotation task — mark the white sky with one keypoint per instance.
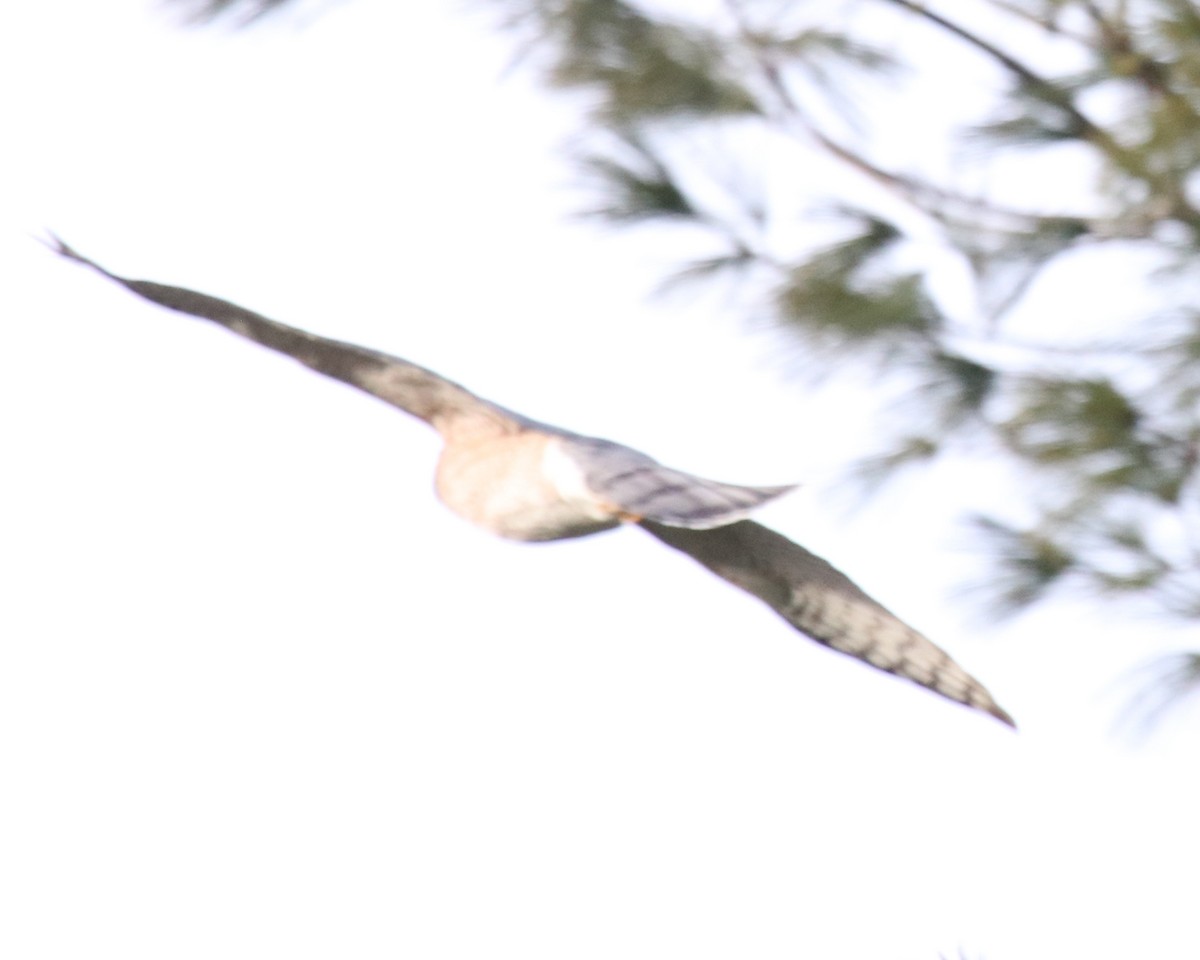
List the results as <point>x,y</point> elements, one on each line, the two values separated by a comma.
<point>260,696</point>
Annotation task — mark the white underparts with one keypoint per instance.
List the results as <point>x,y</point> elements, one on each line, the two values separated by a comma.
<point>520,486</point>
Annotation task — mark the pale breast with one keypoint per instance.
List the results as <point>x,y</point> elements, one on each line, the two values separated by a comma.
<point>520,486</point>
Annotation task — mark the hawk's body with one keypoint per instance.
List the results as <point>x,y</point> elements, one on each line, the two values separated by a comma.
<point>526,480</point>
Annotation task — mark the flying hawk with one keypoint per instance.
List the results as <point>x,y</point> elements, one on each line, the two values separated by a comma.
<point>526,480</point>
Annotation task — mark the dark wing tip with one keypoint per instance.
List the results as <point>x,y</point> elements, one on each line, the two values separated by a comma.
<point>999,713</point>
<point>57,245</point>
<point>48,239</point>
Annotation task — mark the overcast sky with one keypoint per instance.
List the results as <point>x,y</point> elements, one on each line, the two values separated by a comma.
<point>261,696</point>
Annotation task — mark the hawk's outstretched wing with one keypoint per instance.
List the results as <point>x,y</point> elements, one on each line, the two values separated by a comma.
<point>406,385</point>
<point>825,604</point>
<point>530,481</point>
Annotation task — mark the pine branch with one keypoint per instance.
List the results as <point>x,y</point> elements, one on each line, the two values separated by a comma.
<point>1045,89</point>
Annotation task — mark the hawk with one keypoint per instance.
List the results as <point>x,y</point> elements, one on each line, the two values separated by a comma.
<point>530,481</point>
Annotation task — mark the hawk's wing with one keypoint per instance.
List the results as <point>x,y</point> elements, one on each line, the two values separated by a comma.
<point>826,605</point>
<point>399,382</point>
<point>638,487</point>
